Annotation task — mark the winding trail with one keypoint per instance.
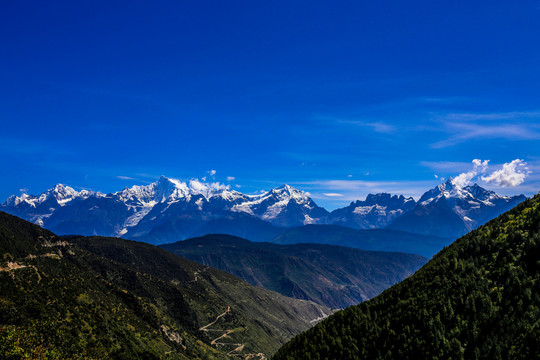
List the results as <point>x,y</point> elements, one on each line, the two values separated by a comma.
<point>218,341</point>
<point>205,327</point>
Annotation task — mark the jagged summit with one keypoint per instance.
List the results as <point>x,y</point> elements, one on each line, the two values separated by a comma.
<point>60,193</point>
<point>288,192</point>
<point>376,211</point>
<point>451,210</point>
<point>180,208</point>
<point>136,210</point>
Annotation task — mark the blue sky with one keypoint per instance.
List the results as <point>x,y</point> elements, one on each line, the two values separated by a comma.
<point>336,98</point>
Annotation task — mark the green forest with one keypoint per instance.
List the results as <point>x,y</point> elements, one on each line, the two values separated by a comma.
<point>477,299</point>
<point>109,298</point>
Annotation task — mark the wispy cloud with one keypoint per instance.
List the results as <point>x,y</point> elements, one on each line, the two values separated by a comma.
<point>511,115</point>
<point>351,190</point>
<point>125,177</point>
<point>230,178</point>
<point>381,127</point>
<point>333,194</point>
<point>377,126</point>
<point>462,127</point>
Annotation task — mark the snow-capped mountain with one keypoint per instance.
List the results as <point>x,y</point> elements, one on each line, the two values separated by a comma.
<point>170,210</point>
<point>377,211</point>
<point>451,211</point>
<point>283,206</point>
<point>38,208</point>
<point>167,208</point>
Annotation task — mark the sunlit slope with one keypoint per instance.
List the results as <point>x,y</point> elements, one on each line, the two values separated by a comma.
<point>112,298</point>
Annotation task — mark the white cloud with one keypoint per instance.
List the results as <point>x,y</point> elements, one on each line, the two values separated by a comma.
<point>479,167</point>
<point>23,191</point>
<point>349,176</point>
<point>511,174</point>
<point>206,187</point>
<point>332,194</point>
<point>125,177</point>
<point>230,178</point>
<point>212,172</point>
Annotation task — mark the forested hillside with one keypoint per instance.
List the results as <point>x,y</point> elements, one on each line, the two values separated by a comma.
<point>94,297</point>
<point>334,276</point>
<point>477,299</point>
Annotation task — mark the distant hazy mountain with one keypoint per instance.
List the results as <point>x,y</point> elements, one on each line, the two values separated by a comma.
<point>169,210</point>
<point>108,298</point>
<point>373,240</point>
<point>334,276</point>
<point>241,225</point>
<point>449,210</point>
<point>376,212</point>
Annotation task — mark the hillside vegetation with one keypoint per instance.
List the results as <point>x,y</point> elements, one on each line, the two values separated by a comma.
<point>77,297</point>
<point>334,276</point>
<point>477,299</point>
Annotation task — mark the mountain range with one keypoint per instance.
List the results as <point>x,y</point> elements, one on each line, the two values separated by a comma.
<point>169,210</point>
<point>330,275</point>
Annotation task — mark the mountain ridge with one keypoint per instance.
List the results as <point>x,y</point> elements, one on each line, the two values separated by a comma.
<point>169,210</point>
<point>331,275</point>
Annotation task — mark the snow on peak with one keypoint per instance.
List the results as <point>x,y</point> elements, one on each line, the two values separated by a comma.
<point>287,192</point>
<point>170,190</point>
<point>482,194</point>
<point>269,205</point>
<point>63,194</point>
<point>60,193</point>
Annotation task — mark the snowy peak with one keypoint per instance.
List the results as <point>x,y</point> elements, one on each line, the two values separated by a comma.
<point>448,190</point>
<point>176,204</point>
<point>286,193</point>
<point>60,194</point>
<point>451,210</point>
<point>480,193</point>
<point>171,190</point>
<point>376,211</point>
<point>166,189</point>
<point>453,192</point>
<point>282,206</point>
